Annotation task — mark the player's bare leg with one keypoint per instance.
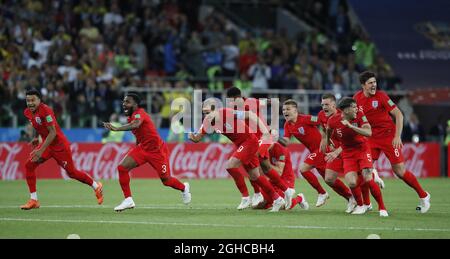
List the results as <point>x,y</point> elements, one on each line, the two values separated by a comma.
<point>278,182</point>
<point>124,168</point>
<point>323,196</point>
<point>411,180</point>
<point>331,178</point>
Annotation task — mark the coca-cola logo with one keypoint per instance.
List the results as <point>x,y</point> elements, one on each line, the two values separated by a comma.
<point>101,164</point>
<point>207,163</point>
<point>414,161</point>
<point>9,166</point>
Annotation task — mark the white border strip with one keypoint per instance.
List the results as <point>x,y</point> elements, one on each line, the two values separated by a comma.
<point>221,225</point>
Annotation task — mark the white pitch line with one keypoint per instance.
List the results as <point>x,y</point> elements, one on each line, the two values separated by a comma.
<point>184,207</point>
<point>223,225</point>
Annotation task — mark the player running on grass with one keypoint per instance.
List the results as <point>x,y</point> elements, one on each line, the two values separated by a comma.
<point>254,105</point>
<point>304,128</point>
<point>230,123</point>
<point>55,145</point>
<point>351,128</point>
<point>386,138</point>
<point>150,149</point>
<point>332,153</point>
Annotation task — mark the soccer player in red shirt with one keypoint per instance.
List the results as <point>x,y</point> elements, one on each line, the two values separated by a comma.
<point>55,145</point>
<point>150,149</point>
<point>351,128</point>
<point>386,138</point>
<point>304,128</point>
<point>280,160</point>
<point>255,105</point>
<point>231,124</point>
<point>334,163</point>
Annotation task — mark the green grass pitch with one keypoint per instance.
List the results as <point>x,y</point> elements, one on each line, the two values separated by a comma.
<point>68,207</point>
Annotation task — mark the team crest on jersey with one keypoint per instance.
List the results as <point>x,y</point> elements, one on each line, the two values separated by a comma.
<point>375,104</point>
<point>301,130</point>
<point>38,120</point>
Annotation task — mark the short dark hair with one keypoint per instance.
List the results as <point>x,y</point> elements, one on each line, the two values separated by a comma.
<point>366,75</point>
<point>136,97</point>
<point>290,102</point>
<point>33,91</point>
<point>329,96</point>
<point>345,102</point>
<point>234,92</point>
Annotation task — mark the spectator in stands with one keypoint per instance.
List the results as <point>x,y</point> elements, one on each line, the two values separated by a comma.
<point>413,131</point>
<point>113,136</point>
<point>260,73</point>
<point>230,58</point>
<point>364,52</point>
<point>438,131</point>
<point>447,139</point>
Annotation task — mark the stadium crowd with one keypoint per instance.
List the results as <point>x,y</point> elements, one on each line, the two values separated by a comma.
<point>80,54</point>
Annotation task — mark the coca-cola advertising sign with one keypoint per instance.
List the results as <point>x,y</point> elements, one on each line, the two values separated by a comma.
<point>203,161</point>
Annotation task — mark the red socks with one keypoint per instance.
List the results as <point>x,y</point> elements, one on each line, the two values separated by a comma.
<point>376,193</point>
<point>174,183</point>
<point>340,188</point>
<point>267,187</point>
<point>239,180</point>
<point>124,180</point>
<point>31,175</point>
<point>357,194</point>
<point>411,180</point>
<point>256,188</point>
<point>313,181</point>
<point>276,180</point>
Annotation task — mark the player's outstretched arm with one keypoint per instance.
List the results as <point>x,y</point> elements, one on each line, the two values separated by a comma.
<point>365,129</point>
<point>195,137</point>
<point>397,141</point>
<point>284,141</point>
<point>333,154</point>
<point>127,127</point>
<point>279,167</point>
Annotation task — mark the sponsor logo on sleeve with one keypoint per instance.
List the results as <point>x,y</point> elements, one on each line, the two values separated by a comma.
<point>49,118</point>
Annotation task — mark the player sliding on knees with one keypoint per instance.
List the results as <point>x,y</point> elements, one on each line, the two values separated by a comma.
<point>150,148</point>
<point>280,160</point>
<point>55,145</point>
<point>230,123</point>
<point>351,128</point>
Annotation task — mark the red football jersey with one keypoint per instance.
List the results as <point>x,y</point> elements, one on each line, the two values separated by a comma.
<point>253,105</point>
<point>41,119</point>
<point>349,138</point>
<point>146,135</point>
<point>229,125</point>
<point>323,120</point>
<point>377,108</point>
<point>305,130</point>
<point>278,153</point>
